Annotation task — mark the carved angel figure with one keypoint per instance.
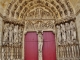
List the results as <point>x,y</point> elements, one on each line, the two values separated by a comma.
<point>58,34</point>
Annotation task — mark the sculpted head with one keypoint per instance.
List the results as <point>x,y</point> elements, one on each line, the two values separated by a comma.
<point>66,24</point>
<point>72,22</point>
<point>61,25</point>
<point>58,27</point>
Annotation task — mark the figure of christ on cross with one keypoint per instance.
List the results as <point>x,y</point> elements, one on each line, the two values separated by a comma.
<point>40,46</point>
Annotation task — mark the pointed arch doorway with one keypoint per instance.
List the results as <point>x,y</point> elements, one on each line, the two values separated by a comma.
<point>41,20</point>
<point>48,48</point>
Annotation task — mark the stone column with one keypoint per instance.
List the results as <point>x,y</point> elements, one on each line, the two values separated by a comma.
<point>23,43</point>
<point>0,35</point>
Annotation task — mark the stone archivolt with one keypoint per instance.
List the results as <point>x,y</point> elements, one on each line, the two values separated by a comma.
<point>60,8</point>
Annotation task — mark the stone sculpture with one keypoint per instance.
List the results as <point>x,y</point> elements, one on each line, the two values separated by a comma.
<point>40,46</point>
<point>63,31</point>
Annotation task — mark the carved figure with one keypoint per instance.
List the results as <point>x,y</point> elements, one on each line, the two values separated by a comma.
<point>73,31</point>
<point>11,34</point>
<point>63,31</point>
<point>40,46</point>
<point>58,34</point>
<point>6,31</point>
<point>16,34</point>
<point>68,32</point>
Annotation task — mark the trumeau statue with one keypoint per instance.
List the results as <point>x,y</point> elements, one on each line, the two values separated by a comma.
<point>58,34</point>
<point>6,31</point>
<point>67,25</point>
<point>73,31</point>
<point>63,33</point>
<point>16,34</point>
<point>11,33</point>
<point>40,46</point>
<point>41,42</point>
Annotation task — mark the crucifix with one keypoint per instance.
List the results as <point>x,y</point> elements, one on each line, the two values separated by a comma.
<point>40,45</point>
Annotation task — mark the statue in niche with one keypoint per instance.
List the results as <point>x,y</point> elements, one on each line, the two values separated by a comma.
<point>6,31</point>
<point>11,34</point>
<point>20,34</point>
<point>63,31</point>
<point>39,24</point>
<point>71,10</point>
<point>58,34</point>
<point>73,36</point>
<point>67,25</point>
<point>40,46</point>
<point>73,31</point>
<point>16,34</point>
<point>61,13</point>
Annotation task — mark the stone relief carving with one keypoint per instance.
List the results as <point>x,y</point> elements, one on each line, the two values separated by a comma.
<point>12,38</point>
<point>65,6</point>
<point>16,34</point>
<point>59,34</point>
<point>73,31</point>
<point>70,45</point>
<point>11,34</point>
<point>6,31</point>
<point>68,32</point>
<point>67,25</point>
<point>63,31</point>
<point>39,13</point>
<point>20,35</point>
<point>33,25</point>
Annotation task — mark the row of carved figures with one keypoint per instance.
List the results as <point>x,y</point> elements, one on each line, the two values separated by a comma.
<point>66,33</point>
<point>12,34</point>
<point>10,53</point>
<point>69,52</point>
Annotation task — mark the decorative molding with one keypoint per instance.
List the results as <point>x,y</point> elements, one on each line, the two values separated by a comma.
<point>43,25</point>
<point>2,15</point>
<point>58,8</point>
<point>67,18</point>
<point>78,12</point>
<point>19,22</point>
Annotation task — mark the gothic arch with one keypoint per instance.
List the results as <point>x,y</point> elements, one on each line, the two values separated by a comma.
<point>60,8</point>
